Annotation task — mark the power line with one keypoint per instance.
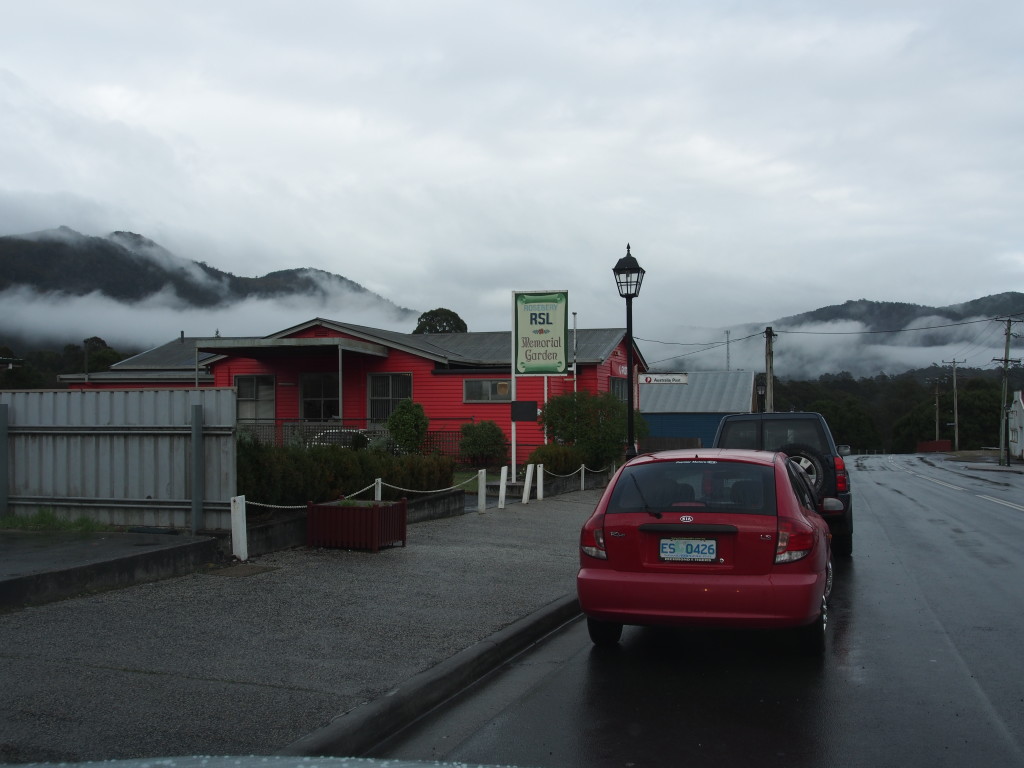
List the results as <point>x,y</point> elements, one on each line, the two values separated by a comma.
<point>898,330</point>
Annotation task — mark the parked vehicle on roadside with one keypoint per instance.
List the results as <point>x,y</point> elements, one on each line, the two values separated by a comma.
<point>707,537</point>
<point>805,437</point>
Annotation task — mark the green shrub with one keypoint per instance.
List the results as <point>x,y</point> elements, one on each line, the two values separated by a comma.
<point>557,459</point>
<point>408,425</point>
<point>594,424</point>
<point>483,444</point>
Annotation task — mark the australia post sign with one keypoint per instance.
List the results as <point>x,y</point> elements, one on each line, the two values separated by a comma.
<point>540,328</point>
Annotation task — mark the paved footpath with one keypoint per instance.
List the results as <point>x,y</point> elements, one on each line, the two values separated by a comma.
<point>267,657</point>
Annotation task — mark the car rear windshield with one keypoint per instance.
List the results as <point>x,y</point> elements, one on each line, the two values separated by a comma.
<point>698,484</point>
<point>742,433</point>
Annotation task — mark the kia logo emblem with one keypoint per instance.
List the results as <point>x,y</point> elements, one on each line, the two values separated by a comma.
<point>686,519</point>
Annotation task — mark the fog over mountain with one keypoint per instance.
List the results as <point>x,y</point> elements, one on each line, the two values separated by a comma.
<point>59,286</point>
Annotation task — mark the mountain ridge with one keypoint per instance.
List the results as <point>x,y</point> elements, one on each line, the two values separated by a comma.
<point>126,269</point>
<point>131,268</point>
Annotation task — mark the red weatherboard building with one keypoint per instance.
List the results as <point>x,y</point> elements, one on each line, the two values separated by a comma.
<point>322,377</point>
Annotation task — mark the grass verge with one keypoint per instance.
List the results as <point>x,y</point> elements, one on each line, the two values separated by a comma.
<point>46,520</point>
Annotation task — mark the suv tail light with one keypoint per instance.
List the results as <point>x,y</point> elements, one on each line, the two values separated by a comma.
<point>842,478</point>
<point>796,540</point>
<point>592,539</point>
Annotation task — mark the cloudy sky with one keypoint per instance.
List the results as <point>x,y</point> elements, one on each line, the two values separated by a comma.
<point>763,158</point>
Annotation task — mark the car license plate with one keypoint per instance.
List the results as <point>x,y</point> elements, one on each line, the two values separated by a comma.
<point>689,550</point>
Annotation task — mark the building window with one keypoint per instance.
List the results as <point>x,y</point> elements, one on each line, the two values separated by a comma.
<point>320,396</point>
<point>619,388</point>
<point>255,398</point>
<point>486,390</point>
<point>387,390</point>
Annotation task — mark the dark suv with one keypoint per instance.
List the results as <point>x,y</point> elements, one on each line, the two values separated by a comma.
<point>805,438</point>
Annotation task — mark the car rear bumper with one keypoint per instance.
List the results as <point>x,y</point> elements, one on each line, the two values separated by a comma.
<point>776,600</point>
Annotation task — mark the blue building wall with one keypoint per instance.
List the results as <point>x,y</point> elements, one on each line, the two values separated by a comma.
<point>700,425</point>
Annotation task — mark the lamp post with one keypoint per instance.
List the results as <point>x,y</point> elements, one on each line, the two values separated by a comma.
<point>628,277</point>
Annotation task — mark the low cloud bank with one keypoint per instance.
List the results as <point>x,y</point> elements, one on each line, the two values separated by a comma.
<point>42,318</point>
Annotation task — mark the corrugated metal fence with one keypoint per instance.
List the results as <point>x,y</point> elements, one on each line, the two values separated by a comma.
<point>147,457</point>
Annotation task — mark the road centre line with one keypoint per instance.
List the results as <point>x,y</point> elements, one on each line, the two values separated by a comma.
<point>1000,501</point>
<point>956,487</point>
<point>925,477</point>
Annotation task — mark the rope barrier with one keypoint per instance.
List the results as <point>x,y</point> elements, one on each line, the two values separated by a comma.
<point>583,468</point>
<point>441,490</point>
<point>363,490</point>
<point>273,506</point>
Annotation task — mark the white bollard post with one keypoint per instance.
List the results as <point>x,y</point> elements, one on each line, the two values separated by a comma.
<point>481,490</point>
<point>540,482</point>
<point>583,477</point>
<point>527,483</point>
<point>239,533</point>
<point>377,489</point>
<point>501,487</point>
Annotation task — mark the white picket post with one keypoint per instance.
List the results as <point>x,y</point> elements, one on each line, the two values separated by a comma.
<point>527,483</point>
<point>501,487</point>
<point>239,532</point>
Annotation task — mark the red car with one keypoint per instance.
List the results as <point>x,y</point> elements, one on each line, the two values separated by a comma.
<point>707,537</point>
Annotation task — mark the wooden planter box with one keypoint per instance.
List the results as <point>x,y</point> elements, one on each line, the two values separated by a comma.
<point>356,526</point>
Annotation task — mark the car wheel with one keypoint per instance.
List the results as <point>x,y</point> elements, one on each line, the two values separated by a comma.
<point>828,580</point>
<point>604,633</point>
<point>809,460</point>
<point>842,544</point>
<point>811,638</point>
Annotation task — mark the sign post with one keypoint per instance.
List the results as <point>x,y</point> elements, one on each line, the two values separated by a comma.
<point>540,330</point>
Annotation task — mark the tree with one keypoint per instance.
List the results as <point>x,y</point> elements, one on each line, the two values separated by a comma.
<point>440,320</point>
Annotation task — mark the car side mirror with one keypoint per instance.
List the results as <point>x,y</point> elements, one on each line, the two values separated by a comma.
<point>830,504</point>
<point>844,450</point>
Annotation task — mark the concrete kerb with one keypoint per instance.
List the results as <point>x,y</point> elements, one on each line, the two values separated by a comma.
<point>357,731</point>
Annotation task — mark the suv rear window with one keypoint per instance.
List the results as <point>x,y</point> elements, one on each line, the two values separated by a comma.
<point>802,431</point>
<point>700,485</point>
<point>742,433</point>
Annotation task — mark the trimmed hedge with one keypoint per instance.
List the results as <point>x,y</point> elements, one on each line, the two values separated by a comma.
<point>293,475</point>
<point>557,459</point>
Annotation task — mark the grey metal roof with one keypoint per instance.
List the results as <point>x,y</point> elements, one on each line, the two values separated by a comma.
<point>705,392</point>
<point>177,354</point>
<point>483,349</point>
<point>495,347</point>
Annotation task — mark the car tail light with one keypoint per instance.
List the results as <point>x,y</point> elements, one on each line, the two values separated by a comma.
<point>796,540</point>
<point>842,478</point>
<point>592,539</point>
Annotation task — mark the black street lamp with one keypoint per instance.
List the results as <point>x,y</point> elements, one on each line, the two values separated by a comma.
<point>628,277</point>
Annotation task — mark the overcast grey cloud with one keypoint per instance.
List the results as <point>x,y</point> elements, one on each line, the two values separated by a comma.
<point>762,158</point>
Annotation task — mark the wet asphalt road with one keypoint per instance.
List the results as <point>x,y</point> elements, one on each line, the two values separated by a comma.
<point>925,662</point>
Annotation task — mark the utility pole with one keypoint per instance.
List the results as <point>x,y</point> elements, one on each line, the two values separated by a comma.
<point>956,410</point>
<point>1004,448</point>
<point>769,372</point>
<point>936,411</point>
<point>727,351</point>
